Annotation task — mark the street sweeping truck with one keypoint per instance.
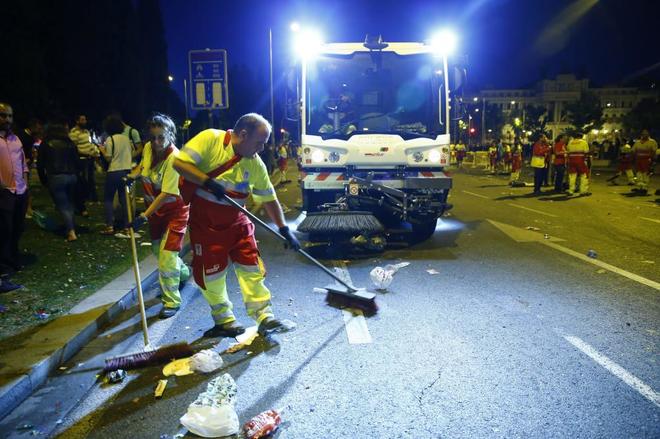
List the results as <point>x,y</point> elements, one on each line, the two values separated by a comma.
<point>374,136</point>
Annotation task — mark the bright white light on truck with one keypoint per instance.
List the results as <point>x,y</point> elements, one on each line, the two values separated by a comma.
<point>317,156</point>
<point>307,43</point>
<point>444,42</point>
<point>418,156</point>
<point>434,156</point>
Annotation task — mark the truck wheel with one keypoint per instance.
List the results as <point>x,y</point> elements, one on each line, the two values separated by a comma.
<point>423,231</point>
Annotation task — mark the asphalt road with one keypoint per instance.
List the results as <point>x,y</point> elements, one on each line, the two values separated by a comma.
<point>493,330</point>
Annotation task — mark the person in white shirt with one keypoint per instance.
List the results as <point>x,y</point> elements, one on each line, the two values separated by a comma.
<point>117,150</point>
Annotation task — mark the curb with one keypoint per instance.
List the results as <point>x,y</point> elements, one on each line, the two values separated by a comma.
<point>15,392</point>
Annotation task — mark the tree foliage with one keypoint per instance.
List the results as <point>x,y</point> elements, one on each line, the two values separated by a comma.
<point>645,115</point>
<point>586,113</point>
<point>76,56</point>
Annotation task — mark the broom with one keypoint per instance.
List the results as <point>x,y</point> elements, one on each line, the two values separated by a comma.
<point>341,222</point>
<point>350,297</point>
<point>149,356</point>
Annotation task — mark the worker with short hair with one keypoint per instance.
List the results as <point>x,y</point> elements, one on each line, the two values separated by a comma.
<point>644,151</point>
<point>578,150</point>
<point>225,163</point>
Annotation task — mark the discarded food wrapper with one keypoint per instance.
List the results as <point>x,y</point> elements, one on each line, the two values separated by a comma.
<point>536,229</point>
<point>160,388</point>
<point>116,376</point>
<point>432,271</point>
<point>206,361</point>
<point>180,367</point>
<point>262,425</point>
<point>212,414</point>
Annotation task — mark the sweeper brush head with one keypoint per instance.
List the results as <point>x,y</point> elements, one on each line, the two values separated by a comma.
<point>361,299</point>
<point>340,222</point>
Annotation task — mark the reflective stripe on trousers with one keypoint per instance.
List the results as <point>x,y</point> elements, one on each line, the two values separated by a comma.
<point>256,295</point>
<point>171,270</point>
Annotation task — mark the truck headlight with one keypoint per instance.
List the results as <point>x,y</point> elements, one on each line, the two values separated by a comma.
<point>434,156</point>
<point>333,157</point>
<point>418,156</point>
<point>317,156</point>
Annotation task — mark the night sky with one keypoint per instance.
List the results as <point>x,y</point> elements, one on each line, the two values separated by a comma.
<point>508,43</point>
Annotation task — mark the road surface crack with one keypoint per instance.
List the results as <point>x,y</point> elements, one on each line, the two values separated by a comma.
<point>420,400</point>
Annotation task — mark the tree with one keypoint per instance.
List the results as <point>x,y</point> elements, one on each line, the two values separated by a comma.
<point>586,113</point>
<point>536,117</point>
<point>494,118</point>
<point>645,115</point>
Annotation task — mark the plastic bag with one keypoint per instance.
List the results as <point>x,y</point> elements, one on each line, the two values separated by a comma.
<point>211,421</point>
<point>206,361</point>
<point>212,414</point>
<point>382,277</point>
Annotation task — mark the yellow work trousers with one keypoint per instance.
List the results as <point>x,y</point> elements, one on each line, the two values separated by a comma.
<point>171,271</point>
<point>572,183</point>
<point>256,295</point>
<point>643,180</point>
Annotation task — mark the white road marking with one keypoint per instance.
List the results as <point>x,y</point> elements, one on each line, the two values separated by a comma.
<point>521,235</point>
<point>650,219</point>
<point>605,265</point>
<point>532,210</point>
<point>356,327</point>
<point>476,195</point>
<point>645,390</point>
<point>354,321</point>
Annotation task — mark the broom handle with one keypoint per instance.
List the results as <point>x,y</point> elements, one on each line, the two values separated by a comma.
<point>136,267</point>
<point>254,218</point>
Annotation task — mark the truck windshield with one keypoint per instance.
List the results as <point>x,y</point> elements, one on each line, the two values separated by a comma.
<point>375,92</point>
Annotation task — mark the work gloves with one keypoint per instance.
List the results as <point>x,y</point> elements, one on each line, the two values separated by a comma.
<point>128,180</point>
<point>291,241</point>
<point>214,186</point>
<point>138,222</point>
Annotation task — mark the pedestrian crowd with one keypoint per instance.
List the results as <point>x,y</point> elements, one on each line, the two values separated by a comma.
<point>189,189</point>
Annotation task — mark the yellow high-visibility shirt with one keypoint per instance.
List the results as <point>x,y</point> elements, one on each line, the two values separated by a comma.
<point>163,177</point>
<point>207,151</point>
<point>577,145</point>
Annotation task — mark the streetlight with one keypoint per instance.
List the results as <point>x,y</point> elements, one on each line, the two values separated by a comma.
<point>443,43</point>
<point>170,78</point>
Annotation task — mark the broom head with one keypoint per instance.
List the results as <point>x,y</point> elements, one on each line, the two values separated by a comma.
<point>341,297</point>
<point>149,358</point>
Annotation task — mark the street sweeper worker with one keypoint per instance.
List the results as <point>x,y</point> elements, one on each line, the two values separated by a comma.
<point>578,150</point>
<point>644,151</point>
<point>166,212</point>
<point>218,163</point>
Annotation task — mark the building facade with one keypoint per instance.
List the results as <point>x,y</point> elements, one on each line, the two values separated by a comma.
<point>554,94</point>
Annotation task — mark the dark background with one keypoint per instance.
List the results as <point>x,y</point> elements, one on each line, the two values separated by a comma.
<point>96,56</point>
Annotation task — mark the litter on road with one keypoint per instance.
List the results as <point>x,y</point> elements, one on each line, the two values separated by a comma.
<point>432,271</point>
<point>262,425</point>
<point>212,414</point>
<point>382,276</point>
<point>160,388</point>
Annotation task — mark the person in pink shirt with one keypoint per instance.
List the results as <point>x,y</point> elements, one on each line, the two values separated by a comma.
<point>13,197</point>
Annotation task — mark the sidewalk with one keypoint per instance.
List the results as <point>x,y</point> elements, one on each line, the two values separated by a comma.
<point>28,358</point>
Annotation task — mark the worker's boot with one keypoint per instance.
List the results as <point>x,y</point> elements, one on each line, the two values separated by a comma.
<point>229,329</point>
<point>270,325</point>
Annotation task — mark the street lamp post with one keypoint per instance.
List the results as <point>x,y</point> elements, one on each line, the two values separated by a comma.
<point>272,99</point>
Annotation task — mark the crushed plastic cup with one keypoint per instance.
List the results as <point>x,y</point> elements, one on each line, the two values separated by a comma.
<point>382,277</point>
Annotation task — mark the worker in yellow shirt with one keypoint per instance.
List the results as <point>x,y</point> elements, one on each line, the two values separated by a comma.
<point>578,150</point>
<point>644,151</point>
<point>215,164</point>
<point>166,212</point>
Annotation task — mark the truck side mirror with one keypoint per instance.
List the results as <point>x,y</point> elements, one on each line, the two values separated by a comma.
<point>459,77</point>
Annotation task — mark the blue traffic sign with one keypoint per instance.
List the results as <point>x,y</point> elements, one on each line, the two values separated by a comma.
<point>208,79</point>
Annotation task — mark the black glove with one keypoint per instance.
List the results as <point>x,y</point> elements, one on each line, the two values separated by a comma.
<point>292,241</point>
<point>138,222</point>
<point>215,188</point>
<point>128,180</point>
